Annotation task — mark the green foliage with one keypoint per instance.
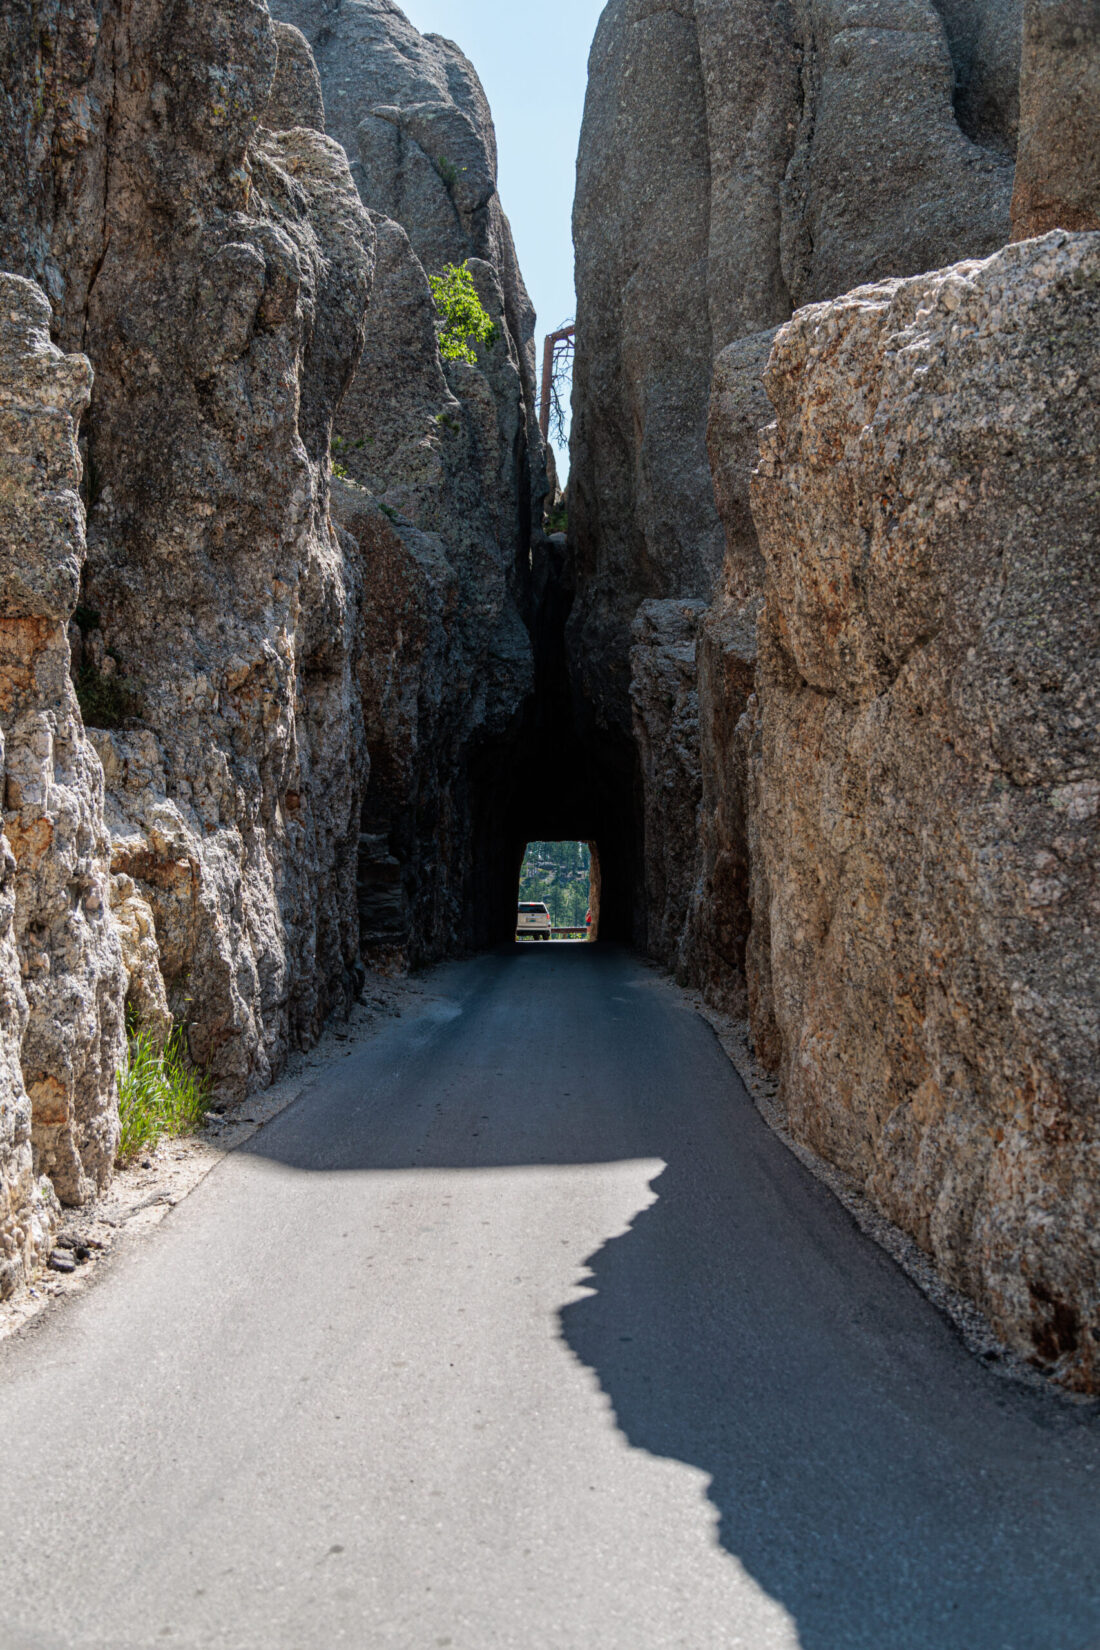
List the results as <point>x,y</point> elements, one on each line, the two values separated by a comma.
<point>340,472</point>
<point>447,170</point>
<point>159,1093</point>
<point>557,518</point>
<point>87,618</point>
<point>105,701</point>
<point>558,874</point>
<point>463,318</point>
<point>388,510</point>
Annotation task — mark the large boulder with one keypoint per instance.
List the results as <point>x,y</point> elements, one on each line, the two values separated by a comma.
<point>928,797</point>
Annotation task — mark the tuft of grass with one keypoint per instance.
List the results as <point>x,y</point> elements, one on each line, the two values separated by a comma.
<point>447,170</point>
<point>159,1092</point>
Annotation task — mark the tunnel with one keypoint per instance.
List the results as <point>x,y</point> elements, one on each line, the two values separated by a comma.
<point>556,778</point>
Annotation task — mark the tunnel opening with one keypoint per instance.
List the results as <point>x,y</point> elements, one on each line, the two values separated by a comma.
<point>554,896</point>
<point>554,775</point>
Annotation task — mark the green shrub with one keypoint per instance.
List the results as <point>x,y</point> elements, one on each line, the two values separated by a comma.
<point>105,701</point>
<point>557,518</point>
<point>159,1093</point>
<point>447,170</point>
<point>464,320</point>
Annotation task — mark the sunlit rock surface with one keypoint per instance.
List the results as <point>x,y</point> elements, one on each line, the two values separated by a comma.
<point>69,957</point>
<point>929,788</point>
<point>217,273</point>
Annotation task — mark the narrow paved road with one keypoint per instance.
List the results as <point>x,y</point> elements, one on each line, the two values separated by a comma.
<point>524,1333</point>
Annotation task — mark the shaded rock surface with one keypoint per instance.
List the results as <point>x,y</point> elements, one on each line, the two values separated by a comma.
<point>453,455</point>
<point>740,158</point>
<point>665,702</point>
<point>1058,175</point>
<point>929,784</point>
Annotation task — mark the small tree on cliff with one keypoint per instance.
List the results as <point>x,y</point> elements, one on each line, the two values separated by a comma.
<point>463,319</point>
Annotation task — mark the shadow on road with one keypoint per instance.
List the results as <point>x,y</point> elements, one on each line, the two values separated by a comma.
<point>889,1492</point>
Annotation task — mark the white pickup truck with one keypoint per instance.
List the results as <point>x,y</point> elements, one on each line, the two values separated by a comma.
<point>533,922</point>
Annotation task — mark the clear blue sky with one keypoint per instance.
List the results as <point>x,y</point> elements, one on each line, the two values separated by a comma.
<point>532,58</point>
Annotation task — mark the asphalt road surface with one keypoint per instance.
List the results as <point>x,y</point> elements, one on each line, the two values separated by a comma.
<point>522,1332</point>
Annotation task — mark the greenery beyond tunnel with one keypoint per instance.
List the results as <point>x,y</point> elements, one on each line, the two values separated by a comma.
<point>558,874</point>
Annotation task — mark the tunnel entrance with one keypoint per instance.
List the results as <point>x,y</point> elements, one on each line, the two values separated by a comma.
<point>558,771</point>
<point>555,893</point>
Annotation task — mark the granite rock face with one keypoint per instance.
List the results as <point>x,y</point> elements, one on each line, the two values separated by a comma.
<point>217,273</point>
<point>73,984</point>
<point>411,113</point>
<point>220,584</point>
<point>665,703</point>
<point>295,98</point>
<point>861,718</point>
<point>719,918</point>
<point>444,478</point>
<point>929,784</point>
<point>25,1218</point>
<point>1058,175</point>
<point>242,643</point>
<point>740,158</point>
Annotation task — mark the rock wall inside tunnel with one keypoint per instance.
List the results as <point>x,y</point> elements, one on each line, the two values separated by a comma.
<point>848,831</point>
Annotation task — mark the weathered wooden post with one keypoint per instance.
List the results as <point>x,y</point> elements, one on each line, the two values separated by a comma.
<point>549,349</point>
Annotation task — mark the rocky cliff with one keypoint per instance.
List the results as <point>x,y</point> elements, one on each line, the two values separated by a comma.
<point>62,984</point>
<point>740,158</point>
<point>452,454</point>
<point>928,788</point>
<point>209,642</point>
<point>863,737</point>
